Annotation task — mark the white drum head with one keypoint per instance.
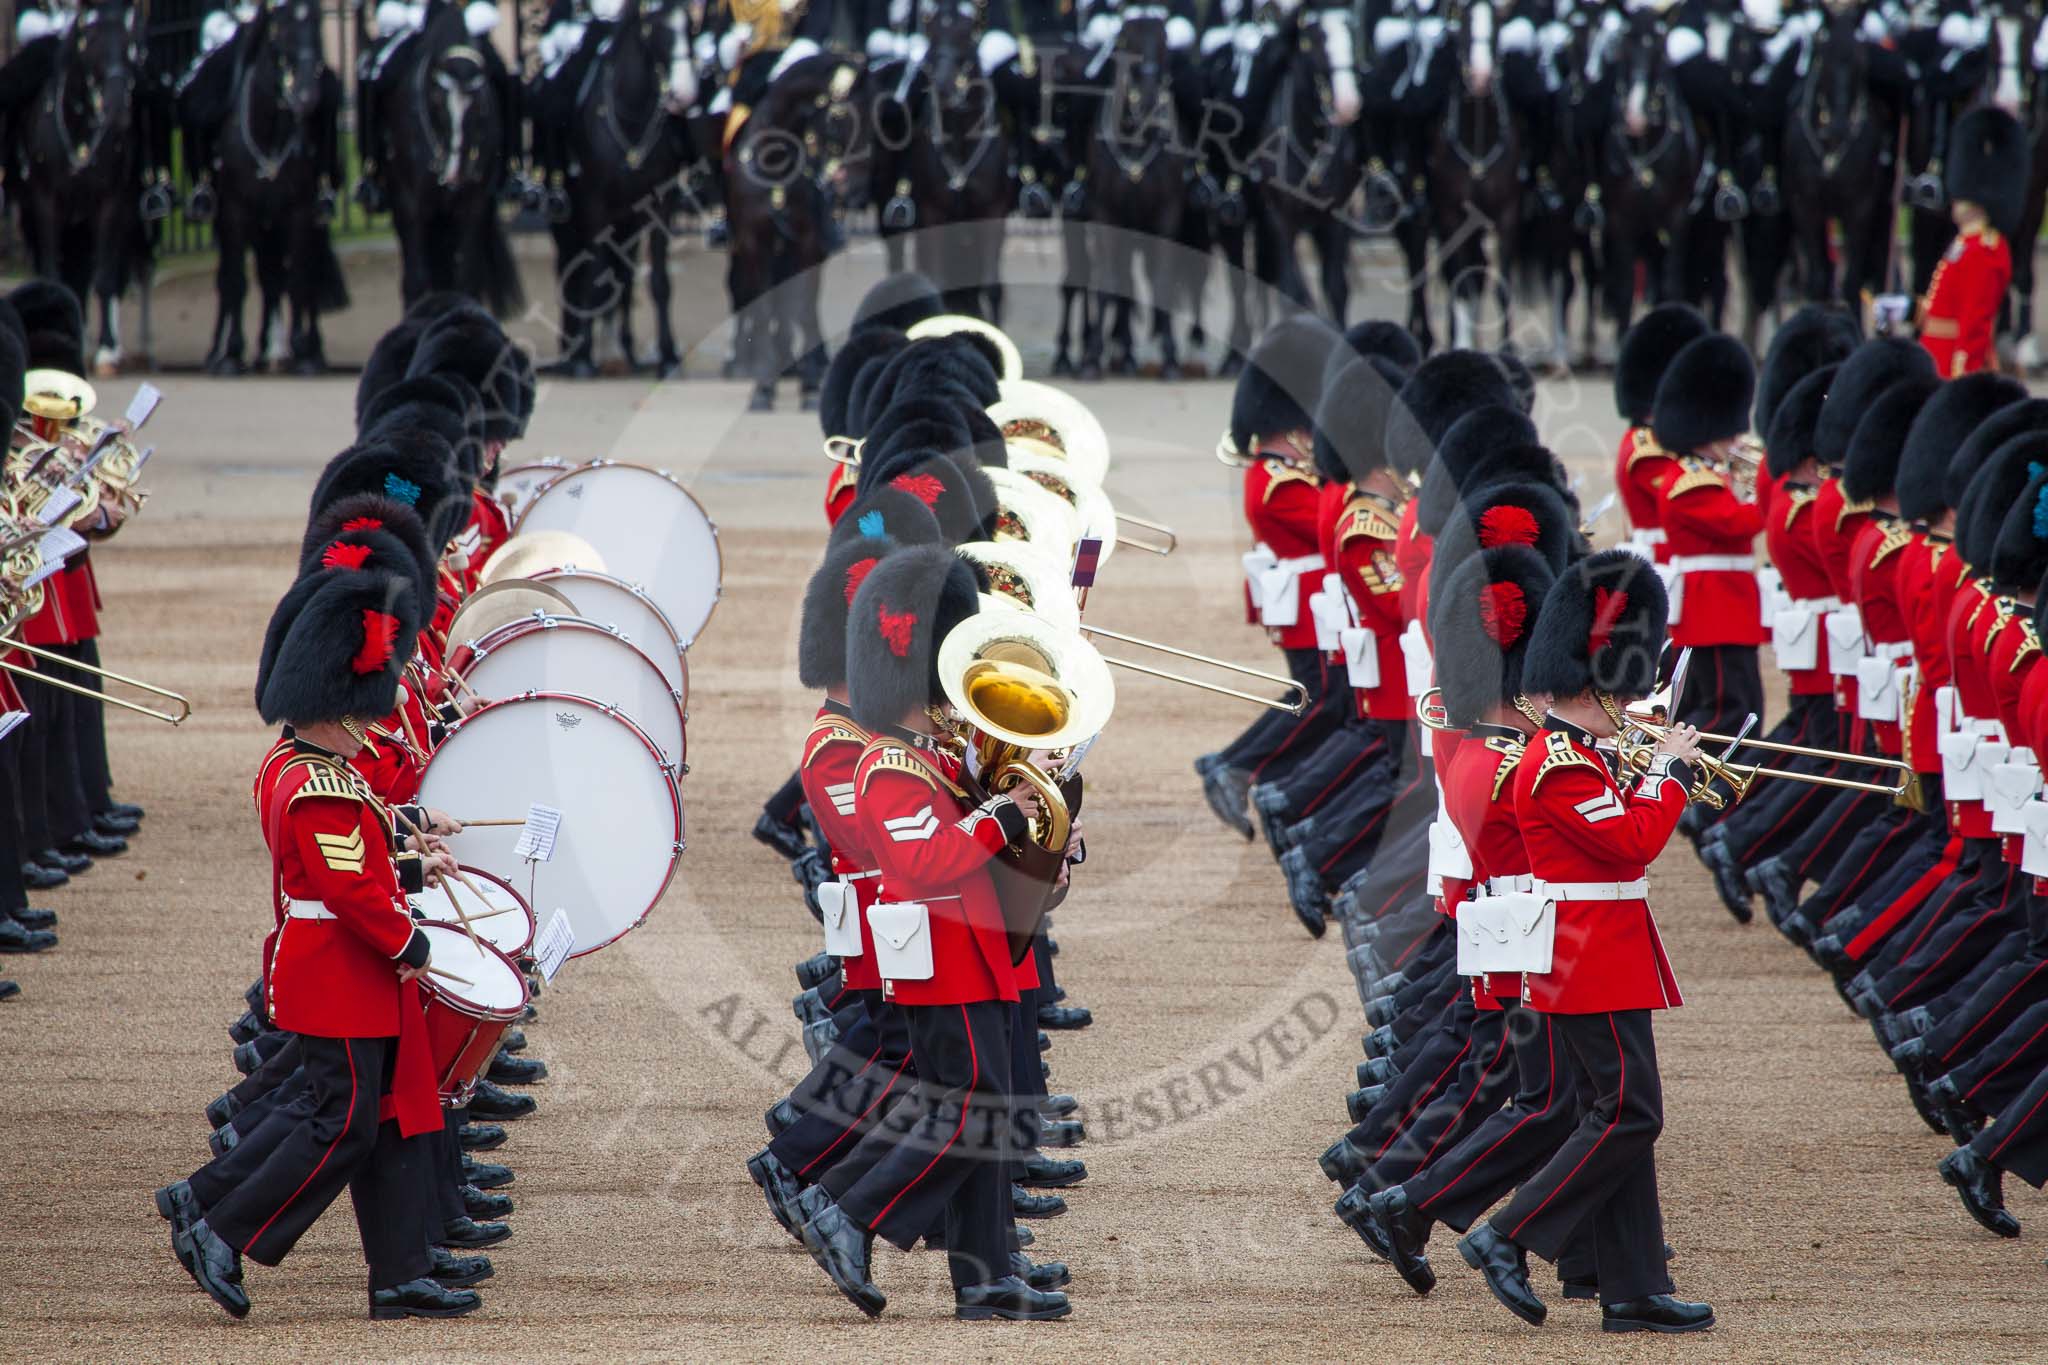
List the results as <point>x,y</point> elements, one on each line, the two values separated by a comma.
<point>584,659</point>
<point>491,985</point>
<point>500,916</point>
<point>654,533</point>
<point>522,483</point>
<point>622,822</point>
<point>614,602</point>
<point>494,604</point>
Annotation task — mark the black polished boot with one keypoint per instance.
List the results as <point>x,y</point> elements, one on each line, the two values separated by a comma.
<point>844,1251</point>
<point>1979,1183</point>
<point>1945,1098</point>
<point>1360,1102</point>
<point>1506,1268</point>
<point>213,1265</point>
<point>1025,1204</point>
<point>1057,1106</point>
<point>1008,1298</point>
<point>93,844</point>
<point>1064,1016</point>
<point>73,863</point>
<point>1657,1313</point>
<point>480,1137</point>
<point>1061,1132</point>
<point>178,1206</point>
<point>1305,892</point>
<point>15,939</point>
<point>43,877</point>
<point>1728,880</point>
<point>814,970</point>
<point>1406,1233</point>
<point>484,1175</point>
<point>1226,790</point>
<point>786,839</point>
<point>422,1298</point>
<point>516,1070</point>
<point>779,1185</point>
<point>781,1117</point>
<point>1344,1161</point>
<point>480,1205</point>
<point>33,918</point>
<point>1049,1173</point>
<point>1048,1275</point>
<point>1777,884</point>
<point>494,1103</point>
<point>466,1234</point>
<point>456,1272</point>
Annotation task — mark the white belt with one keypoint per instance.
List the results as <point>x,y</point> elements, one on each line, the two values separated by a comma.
<point>1299,565</point>
<point>1649,535</point>
<point>1593,891</point>
<point>1817,604</point>
<point>1509,886</point>
<point>298,909</point>
<point>1897,649</point>
<point>1712,563</point>
<point>859,876</point>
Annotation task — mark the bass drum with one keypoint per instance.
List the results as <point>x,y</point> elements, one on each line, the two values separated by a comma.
<point>501,917</point>
<point>656,535</point>
<point>614,602</point>
<point>622,818</point>
<point>584,659</point>
<point>522,483</point>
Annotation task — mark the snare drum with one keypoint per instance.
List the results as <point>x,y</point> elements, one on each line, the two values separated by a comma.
<point>502,918</point>
<point>622,820</point>
<point>653,532</point>
<point>584,659</point>
<point>467,1018</point>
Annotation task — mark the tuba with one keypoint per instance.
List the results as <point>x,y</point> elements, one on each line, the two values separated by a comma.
<point>1010,362</point>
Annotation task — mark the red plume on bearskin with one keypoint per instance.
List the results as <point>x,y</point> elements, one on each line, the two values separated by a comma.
<point>896,628</point>
<point>857,574</point>
<point>926,488</point>
<point>380,638</point>
<point>363,524</point>
<point>1507,524</point>
<point>1608,607</point>
<point>1503,611</point>
<point>342,555</point>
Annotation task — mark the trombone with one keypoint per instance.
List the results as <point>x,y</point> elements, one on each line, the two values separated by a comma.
<point>1292,708</point>
<point>177,717</point>
<point>1168,540</point>
<point>1656,719</point>
<point>1740,777</point>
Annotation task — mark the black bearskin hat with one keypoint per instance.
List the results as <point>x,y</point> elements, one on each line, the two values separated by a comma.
<point>1534,516</point>
<point>821,638</point>
<point>1995,490</point>
<point>52,325</point>
<point>1521,379</point>
<point>1988,161</point>
<point>336,645</point>
<point>443,404</point>
<point>1389,341</point>
<point>472,345</point>
<point>2019,550</point>
<point>1789,442</point>
<point>1815,336</point>
<point>439,303</point>
<point>1872,469</point>
<point>1481,628</point>
<point>1443,388</point>
<point>1871,368</point>
<point>388,361</point>
<point>1705,395</point>
<point>901,300</point>
<point>893,513</point>
<point>1351,420</point>
<point>959,500</point>
<point>414,468</point>
<point>1471,439</point>
<point>13,369</point>
<point>1282,380</point>
<point>835,399</point>
<point>380,522</point>
<point>1649,346</point>
<point>929,365</point>
<point>1945,422</point>
<point>1977,449</point>
<point>1603,629</point>
<point>904,610</point>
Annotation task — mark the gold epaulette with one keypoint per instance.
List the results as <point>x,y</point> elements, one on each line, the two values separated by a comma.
<point>2030,643</point>
<point>1645,447</point>
<point>1852,509</point>
<point>1559,753</point>
<point>324,777</point>
<point>1797,501</point>
<point>1280,472</point>
<point>833,730</point>
<point>1369,516</point>
<point>1896,538</point>
<point>1695,477</point>
<point>891,757</point>
<point>1511,754</point>
<point>2007,608</point>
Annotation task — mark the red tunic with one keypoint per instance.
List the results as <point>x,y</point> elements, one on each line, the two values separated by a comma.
<point>932,845</point>
<point>1367,545</point>
<point>840,492</point>
<point>1711,534</point>
<point>486,531</point>
<point>1874,563</point>
<point>1579,826</point>
<point>1972,618</point>
<point>70,610</point>
<point>1835,525</point>
<point>1797,559</point>
<point>1412,550</point>
<point>1929,577</point>
<point>1476,776</point>
<point>1641,469</point>
<point>1281,503</point>
<point>831,754</point>
<point>1960,313</point>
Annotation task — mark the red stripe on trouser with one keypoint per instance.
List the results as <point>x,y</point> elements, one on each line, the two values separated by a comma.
<point>1934,921</point>
<point>1372,824</point>
<point>1316,709</point>
<point>2017,1053</point>
<point>1848,810</point>
<point>353,1089</point>
<point>1361,756</point>
<point>862,1116</point>
<point>1992,1013</point>
<point>1946,952</point>
<point>2017,1128</point>
<point>833,1004</point>
<point>1873,865</point>
<point>973,1084</point>
<point>1549,1103</point>
<point>1470,1095</point>
<point>1620,1094</point>
<point>1908,901</point>
<point>1793,809</point>
<point>1429,1093</point>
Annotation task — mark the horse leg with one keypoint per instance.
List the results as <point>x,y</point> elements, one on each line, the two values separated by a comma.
<point>668,364</point>
<point>1162,280</point>
<point>273,347</point>
<point>308,356</point>
<point>1073,283</point>
<point>109,279</point>
<point>1231,239</point>
<point>1618,279</point>
<point>803,306</point>
<point>231,282</point>
<point>1333,243</point>
<point>1413,235</point>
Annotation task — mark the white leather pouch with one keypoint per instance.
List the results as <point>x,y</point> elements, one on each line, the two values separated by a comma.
<point>1845,640</point>
<point>1279,603</point>
<point>1795,637</point>
<point>903,939</point>
<point>2007,789</point>
<point>1326,606</point>
<point>1511,933</point>
<point>2034,854</point>
<point>1961,777</point>
<point>1877,689</point>
<point>1361,656</point>
<point>842,932</point>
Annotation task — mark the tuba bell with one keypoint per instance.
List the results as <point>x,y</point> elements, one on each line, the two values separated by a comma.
<point>1011,361</point>
<point>1052,422</point>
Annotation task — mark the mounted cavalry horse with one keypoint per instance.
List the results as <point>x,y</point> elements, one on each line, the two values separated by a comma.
<point>962,185</point>
<point>626,147</point>
<point>445,132</point>
<point>78,200</point>
<point>2018,33</point>
<point>1839,163</point>
<point>1475,180</point>
<point>268,158</point>
<point>1309,162</point>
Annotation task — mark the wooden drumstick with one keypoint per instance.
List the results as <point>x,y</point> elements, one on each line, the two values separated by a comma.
<point>487,824</point>
<point>493,914</point>
<point>432,970</point>
<point>456,906</point>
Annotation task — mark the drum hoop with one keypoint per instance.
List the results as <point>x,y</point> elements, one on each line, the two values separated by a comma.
<point>675,793</point>
<point>549,575</point>
<point>598,466</point>
<point>554,463</point>
<point>450,995</point>
<point>519,630</point>
<point>532,925</point>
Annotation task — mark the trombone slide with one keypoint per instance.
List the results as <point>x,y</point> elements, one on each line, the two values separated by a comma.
<point>177,717</point>
<point>1294,707</point>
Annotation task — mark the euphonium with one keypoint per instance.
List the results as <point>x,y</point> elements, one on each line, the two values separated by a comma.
<point>1024,686</point>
